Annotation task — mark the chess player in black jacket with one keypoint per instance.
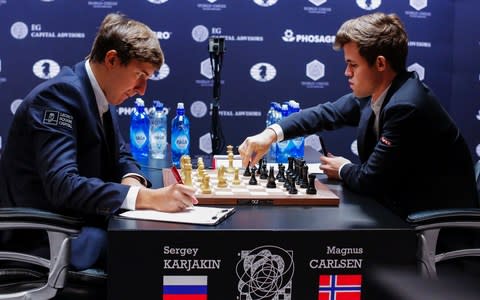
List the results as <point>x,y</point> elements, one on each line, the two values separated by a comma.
<point>412,155</point>
<point>65,152</point>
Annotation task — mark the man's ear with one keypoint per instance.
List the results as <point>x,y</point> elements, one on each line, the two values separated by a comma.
<point>110,58</point>
<point>381,63</point>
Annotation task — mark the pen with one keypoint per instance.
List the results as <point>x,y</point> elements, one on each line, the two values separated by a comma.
<point>322,144</point>
<point>177,176</point>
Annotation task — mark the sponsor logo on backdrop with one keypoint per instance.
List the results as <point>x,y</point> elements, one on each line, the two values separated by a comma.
<point>477,150</point>
<point>315,70</point>
<point>1,3</point>
<point>103,4</point>
<point>478,115</point>
<point>265,3</point>
<point>339,286</point>
<point>317,9</point>
<point>164,35</point>
<point>162,73</point>
<point>47,0</point>
<point>263,72</point>
<point>418,13</point>
<point>206,71</point>
<point>14,105</point>
<point>178,287</point>
<point>354,148</point>
<point>419,44</point>
<point>290,37</point>
<point>200,34</point>
<point>369,4</point>
<point>0,142</point>
<point>211,5</point>
<point>205,143</point>
<point>419,69</point>
<point>269,267</point>
<point>2,79</point>
<point>157,1</point>
<point>19,30</point>
<point>46,68</point>
<point>198,109</point>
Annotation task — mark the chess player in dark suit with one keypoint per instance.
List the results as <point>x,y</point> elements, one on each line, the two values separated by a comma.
<point>65,152</point>
<point>412,155</point>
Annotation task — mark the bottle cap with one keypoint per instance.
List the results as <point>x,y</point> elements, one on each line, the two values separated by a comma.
<point>180,105</point>
<point>158,105</point>
<point>139,102</point>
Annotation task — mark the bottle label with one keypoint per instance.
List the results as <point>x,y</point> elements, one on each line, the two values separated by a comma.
<point>181,142</point>
<point>140,138</point>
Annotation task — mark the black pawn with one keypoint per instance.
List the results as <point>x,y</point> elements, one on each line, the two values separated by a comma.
<point>281,173</point>
<point>280,166</point>
<point>304,181</point>
<point>253,180</point>
<point>311,190</point>
<point>293,188</point>
<point>271,180</point>
<point>247,171</point>
<point>264,173</point>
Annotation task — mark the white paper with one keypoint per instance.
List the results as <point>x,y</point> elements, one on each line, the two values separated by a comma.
<point>192,215</point>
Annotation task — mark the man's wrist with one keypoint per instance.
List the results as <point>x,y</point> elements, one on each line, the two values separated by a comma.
<point>138,177</point>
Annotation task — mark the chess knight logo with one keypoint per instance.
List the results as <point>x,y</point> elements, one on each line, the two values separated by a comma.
<point>369,4</point>
<point>265,272</point>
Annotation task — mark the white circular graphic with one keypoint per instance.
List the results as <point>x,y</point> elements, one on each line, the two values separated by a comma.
<point>198,109</point>
<point>263,72</point>
<point>354,148</point>
<point>19,30</point>
<point>157,1</point>
<point>265,3</point>
<point>162,73</point>
<point>46,68</point>
<point>288,35</point>
<point>369,4</point>
<point>15,104</point>
<point>477,150</point>
<point>200,33</point>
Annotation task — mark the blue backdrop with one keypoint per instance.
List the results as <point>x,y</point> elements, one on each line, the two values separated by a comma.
<point>277,50</point>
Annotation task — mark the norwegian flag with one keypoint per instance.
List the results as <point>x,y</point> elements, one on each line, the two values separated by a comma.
<point>339,287</point>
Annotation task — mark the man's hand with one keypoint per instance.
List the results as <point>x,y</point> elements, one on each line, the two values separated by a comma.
<point>172,198</point>
<point>331,164</point>
<point>255,147</point>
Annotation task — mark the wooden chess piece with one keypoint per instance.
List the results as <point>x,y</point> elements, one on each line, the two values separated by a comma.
<point>221,181</point>
<point>205,187</point>
<point>229,149</point>
<point>281,173</point>
<point>230,168</point>
<point>253,180</point>
<point>271,180</point>
<point>200,173</point>
<point>188,174</point>
<point>247,173</point>
<point>311,190</point>
<point>236,179</point>
<point>293,189</point>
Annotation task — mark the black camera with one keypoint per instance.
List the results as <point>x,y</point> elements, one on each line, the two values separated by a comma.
<point>216,45</point>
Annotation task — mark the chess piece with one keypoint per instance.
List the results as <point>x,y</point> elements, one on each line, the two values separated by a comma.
<point>281,173</point>
<point>304,181</point>
<point>264,173</point>
<point>247,173</point>
<point>311,190</point>
<point>293,189</point>
<point>260,164</point>
<point>229,149</point>
<point>253,180</point>
<point>188,174</point>
<point>271,180</point>
<point>230,168</point>
<point>205,187</point>
<point>200,172</point>
<point>221,181</point>
<point>236,179</point>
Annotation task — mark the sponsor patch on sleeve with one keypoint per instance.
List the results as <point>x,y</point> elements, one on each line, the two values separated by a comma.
<point>385,141</point>
<point>58,118</point>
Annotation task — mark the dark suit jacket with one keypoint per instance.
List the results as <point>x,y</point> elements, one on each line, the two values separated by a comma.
<point>419,160</point>
<point>57,157</point>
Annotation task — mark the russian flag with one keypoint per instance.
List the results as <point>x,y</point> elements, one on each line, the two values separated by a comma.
<point>340,287</point>
<point>184,287</point>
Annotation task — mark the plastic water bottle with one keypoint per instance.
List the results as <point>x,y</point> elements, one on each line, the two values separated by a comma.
<point>283,149</point>
<point>180,135</point>
<point>139,127</point>
<point>272,118</point>
<point>297,144</point>
<point>158,131</point>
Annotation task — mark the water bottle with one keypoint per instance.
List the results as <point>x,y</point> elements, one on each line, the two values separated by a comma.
<point>139,127</point>
<point>297,144</point>
<point>180,135</point>
<point>158,131</point>
<point>283,149</point>
<point>272,119</point>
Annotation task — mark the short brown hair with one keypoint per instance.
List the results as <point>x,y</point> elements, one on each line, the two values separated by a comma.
<point>131,39</point>
<point>376,34</point>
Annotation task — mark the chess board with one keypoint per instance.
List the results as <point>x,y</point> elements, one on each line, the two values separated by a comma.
<point>255,194</point>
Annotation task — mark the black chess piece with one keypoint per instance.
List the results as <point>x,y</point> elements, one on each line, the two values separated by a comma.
<point>247,173</point>
<point>287,184</point>
<point>253,180</point>
<point>281,173</point>
<point>271,180</point>
<point>264,173</point>
<point>311,190</point>
<point>260,164</point>
<point>293,188</point>
<point>304,181</point>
